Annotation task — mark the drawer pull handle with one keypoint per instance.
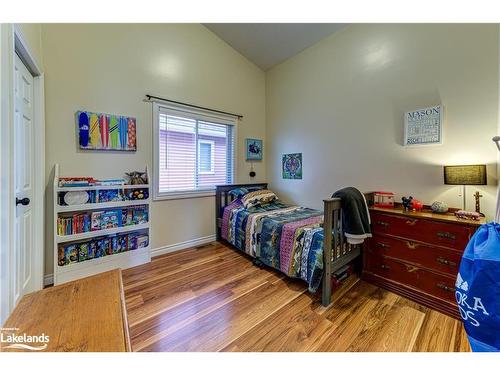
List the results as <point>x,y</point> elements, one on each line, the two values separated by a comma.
<point>411,245</point>
<point>385,267</point>
<point>383,223</point>
<point>411,222</point>
<point>411,269</point>
<point>383,245</point>
<point>445,287</point>
<point>445,261</point>
<point>446,235</point>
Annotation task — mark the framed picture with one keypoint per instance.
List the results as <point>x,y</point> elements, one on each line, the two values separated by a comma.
<point>254,149</point>
<point>424,126</point>
<point>292,166</point>
<point>100,131</point>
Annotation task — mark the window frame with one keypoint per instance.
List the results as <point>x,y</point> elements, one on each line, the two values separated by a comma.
<point>181,110</point>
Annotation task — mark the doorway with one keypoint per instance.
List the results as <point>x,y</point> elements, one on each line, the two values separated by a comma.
<point>23,279</point>
<point>22,169</point>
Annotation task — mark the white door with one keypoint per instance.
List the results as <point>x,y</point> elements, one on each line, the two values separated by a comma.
<point>23,280</point>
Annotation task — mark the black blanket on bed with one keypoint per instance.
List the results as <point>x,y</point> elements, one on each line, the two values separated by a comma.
<point>355,215</point>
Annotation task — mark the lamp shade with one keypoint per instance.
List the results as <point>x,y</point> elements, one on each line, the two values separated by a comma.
<point>465,174</point>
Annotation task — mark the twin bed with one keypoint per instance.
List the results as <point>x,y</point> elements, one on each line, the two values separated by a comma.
<point>300,242</point>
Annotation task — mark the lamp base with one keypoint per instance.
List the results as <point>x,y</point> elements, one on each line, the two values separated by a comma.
<point>464,197</point>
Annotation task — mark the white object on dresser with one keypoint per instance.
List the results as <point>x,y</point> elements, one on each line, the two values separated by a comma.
<point>90,267</point>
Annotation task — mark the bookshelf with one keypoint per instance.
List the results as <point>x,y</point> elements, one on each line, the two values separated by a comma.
<point>88,267</point>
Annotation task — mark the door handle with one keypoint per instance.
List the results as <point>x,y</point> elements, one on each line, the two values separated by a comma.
<point>24,201</point>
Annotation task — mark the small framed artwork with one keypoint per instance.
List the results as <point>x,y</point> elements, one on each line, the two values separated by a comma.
<point>424,126</point>
<point>254,149</point>
<point>100,131</point>
<point>292,166</point>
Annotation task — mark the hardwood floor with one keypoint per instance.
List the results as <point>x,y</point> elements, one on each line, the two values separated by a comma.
<point>212,298</point>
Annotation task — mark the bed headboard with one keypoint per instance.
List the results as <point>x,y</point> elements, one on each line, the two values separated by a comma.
<point>223,198</point>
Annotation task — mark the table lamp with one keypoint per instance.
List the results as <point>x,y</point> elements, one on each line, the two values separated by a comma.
<point>466,175</point>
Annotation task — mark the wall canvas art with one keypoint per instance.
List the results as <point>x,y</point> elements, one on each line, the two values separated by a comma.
<point>424,126</point>
<point>292,166</point>
<point>100,131</point>
<point>254,149</point>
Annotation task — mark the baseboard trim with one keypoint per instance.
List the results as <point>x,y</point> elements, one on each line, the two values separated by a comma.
<point>182,245</point>
<point>48,279</point>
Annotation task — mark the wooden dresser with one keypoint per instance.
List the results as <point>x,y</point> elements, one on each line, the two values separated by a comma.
<point>417,255</point>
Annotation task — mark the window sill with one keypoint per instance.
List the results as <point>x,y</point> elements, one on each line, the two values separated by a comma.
<point>184,195</point>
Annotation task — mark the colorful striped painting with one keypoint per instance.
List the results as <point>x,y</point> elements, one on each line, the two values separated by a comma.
<point>101,131</point>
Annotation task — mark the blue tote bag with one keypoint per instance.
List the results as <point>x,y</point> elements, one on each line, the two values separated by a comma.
<point>478,288</point>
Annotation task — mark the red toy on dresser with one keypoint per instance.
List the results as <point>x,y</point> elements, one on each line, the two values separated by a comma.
<point>383,199</point>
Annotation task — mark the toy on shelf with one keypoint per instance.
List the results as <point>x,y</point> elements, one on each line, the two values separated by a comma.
<point>469,215</point>
<point>439,207</point>
<point>411,204</point>
<point>137,178</point>
<point>416,205</point>
<point>383,199</point>
<point>406,202</point>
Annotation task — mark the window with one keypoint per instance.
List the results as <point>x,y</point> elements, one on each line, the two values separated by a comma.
<point>194,151</point>
<point>206,156</point>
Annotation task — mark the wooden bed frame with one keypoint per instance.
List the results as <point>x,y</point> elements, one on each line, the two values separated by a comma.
<point>336,252</point>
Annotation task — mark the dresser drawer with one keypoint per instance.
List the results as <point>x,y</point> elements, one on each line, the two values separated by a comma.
<point>433,232</point>
<point>434,258</point>
<point>426,281</point>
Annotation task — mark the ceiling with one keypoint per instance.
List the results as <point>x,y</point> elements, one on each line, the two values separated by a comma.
<point>268,44</point>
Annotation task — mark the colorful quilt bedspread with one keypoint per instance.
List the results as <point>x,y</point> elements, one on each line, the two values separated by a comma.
<point>288,238</point>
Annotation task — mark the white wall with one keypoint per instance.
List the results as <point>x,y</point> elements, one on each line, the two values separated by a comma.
<point>341,103</point>
<point>110,68</point>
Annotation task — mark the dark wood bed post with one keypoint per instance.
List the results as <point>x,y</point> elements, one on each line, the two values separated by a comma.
<point>331,212</point>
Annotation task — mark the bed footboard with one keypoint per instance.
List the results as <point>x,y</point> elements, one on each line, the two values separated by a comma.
<point>336,252</point>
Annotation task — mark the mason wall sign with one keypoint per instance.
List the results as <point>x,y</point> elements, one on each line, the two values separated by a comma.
<point>424,126</point>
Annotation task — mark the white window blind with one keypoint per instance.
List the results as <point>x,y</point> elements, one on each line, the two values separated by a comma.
<point>195,153</point>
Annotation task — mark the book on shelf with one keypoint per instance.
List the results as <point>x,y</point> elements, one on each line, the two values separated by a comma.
<point>108,182</point>
<point>76,181</point>
<point>89,181</point>
<point>101,247</point>
<point>99,220</point>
